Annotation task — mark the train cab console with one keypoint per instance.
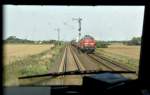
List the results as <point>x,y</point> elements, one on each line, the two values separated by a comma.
<point>104,84</point>
<point>97,84</point>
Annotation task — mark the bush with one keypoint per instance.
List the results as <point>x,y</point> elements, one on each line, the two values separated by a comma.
<point>101,44</point>
<point>133,41</point>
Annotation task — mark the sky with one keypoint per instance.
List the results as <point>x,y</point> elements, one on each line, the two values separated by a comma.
<point>102,22</point>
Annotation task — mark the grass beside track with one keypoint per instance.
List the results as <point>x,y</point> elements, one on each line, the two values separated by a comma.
<point>30,65</point>
<point>123,55</point>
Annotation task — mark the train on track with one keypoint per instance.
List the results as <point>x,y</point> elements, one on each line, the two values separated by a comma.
<point>87,44</point>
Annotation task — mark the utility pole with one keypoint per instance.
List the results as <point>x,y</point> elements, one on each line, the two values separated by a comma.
<point>79,21</point>
<point>58,31</point>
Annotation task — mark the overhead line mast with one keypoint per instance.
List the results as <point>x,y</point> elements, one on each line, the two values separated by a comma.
<point>58,31</point>
<point>79,21</point>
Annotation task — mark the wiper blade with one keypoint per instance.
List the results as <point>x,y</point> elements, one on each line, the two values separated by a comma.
<point>74,73</point>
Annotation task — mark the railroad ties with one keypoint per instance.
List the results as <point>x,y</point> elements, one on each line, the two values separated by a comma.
<point>70,62</point>
<point>112,65</point>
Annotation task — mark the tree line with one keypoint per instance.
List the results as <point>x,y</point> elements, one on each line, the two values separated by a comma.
<point>15,40</point>
<point>133,41</point>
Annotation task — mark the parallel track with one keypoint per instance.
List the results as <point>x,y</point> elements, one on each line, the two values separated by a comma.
<point>77,61</point>
<point>112,65</point>
<point>108,62</point>
<point>113,62</point>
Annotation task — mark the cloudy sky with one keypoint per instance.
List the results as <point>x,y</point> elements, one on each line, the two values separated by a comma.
<point>101,22</point>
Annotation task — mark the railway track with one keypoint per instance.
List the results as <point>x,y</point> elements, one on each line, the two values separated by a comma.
<point>85,60</point>
<point>112,65</point>
<point>70,62</point>
<point>103,63</point>
<point>114,62</point>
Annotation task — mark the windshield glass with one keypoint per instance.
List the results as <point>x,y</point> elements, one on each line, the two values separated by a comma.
<point>54,39</point>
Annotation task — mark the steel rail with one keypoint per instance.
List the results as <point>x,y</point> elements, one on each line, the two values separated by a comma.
<point>113,62</point>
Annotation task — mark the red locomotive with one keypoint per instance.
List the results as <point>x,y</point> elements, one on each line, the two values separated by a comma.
<point>87,44</point>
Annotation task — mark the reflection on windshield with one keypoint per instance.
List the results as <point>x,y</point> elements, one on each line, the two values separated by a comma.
<point>59,48</point>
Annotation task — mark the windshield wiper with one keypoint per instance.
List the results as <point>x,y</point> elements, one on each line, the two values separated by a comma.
<point>74,73</point>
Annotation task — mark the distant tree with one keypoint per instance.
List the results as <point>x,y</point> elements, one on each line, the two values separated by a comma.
<point>134,41</point>
<point>11,38</point>
<point>14,39</point>
<point>101,44</point>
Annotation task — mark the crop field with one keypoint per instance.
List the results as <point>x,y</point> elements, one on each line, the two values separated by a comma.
<point>13,52</point>
<point>128,55</point>
<point>26,59</point>
<point>130,51</point>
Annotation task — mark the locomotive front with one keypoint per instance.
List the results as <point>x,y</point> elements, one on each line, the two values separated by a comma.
<point>87,44</point>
